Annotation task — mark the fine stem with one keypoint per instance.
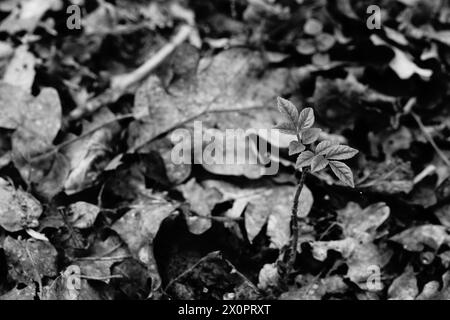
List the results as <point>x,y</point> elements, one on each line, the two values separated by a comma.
<point>294,224</point>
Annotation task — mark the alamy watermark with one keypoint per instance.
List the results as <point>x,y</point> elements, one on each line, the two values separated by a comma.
<point>374,20</point>
<point>73,22</point>
<point>227,147</point>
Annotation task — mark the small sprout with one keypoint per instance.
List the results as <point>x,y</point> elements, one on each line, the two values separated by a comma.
<point>326,153</point>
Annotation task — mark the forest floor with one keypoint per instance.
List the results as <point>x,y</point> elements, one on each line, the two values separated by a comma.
<point>95,95</point>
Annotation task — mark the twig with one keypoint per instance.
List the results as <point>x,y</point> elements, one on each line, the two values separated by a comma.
<point>430,138</point>
<point>294,224</point>
<point>120,83</point>
<point>219,219</point>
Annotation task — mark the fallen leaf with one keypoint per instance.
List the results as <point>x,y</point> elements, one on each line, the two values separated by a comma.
<point>401,63</point>
<point>232,69</point>
<point>26,15</point>
<point>82,215</point>
<point>27,293</point>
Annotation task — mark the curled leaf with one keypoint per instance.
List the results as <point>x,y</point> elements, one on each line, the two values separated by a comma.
<point>338,152</point>
<point>318,163</point>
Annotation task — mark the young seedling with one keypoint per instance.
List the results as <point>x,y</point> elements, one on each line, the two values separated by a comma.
<point>311,158</point>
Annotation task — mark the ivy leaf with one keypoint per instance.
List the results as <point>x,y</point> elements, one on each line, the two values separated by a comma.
<point>310,135</point>
<point>304,159</point>
<point>318,163</point>
<point>286,127</point>
<point>338,152</point>
<point>343,172</point>
<point>306,119</point>
<point>288,109</point>
<point>323,145</point>
<point>295,147</point>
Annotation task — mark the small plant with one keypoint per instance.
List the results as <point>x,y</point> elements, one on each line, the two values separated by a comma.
<point>311,158</point>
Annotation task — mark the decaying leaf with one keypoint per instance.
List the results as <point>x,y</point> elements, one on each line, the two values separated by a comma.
<point>18,209</point>
<point>201,201</point>
<point>29,260</point>
<point>26,14</point>
<point>357,248</point>
<point>310,287</point>
<point>82,215</point>
<point>223,82</point>
<point>404,287</point>
<point>417,238</point>
<point>268,277</point>
<point>20,71</point>
<point>89,155</point>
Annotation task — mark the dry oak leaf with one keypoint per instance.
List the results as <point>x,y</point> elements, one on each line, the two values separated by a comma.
<point>416,238</point>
